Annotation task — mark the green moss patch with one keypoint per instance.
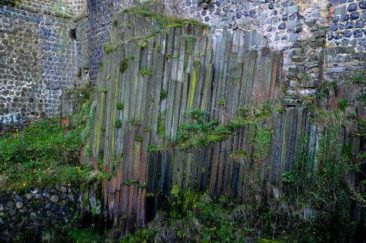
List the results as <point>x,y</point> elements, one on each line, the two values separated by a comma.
<point>46,153</point>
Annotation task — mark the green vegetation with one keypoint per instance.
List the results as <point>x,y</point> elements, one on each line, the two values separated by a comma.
<point>161,125</point>
<point>319,182</point>
<point>124,65</point>
<point>221,102</point>
<point>109,48</point>
<point>145,71</point>
<point>199,133</point>
<point>120,106</point>
<point>316,204</point>
<point>117,123</point>
<point>163,94</point>
<point>84,236</point>
<point>197,217</point>
<point>163,21</point>
<point>262,142</point>
<point>46,153</point>
<point>342,104</point>
<point>11,3</point>
<point>358,77</point>
<point>324,90</point>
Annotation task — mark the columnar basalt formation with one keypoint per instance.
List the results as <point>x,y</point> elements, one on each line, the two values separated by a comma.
<point>214,96</point>
<point>160,75</point>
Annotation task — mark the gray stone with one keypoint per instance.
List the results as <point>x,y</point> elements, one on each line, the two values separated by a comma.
<point>333,27</point>
<point>340,10</point>
<point>282,26</point>
<point>23,210</point>
<point>345,17</point>
<point>19,204</point>
<point>352,7</point>
<point>354,15</point>
<point>349,25</point>
<point>18,198</point>
<point>347,33</point>
<point>10,204</point>
<point>292,10</point>
<point>357,33</point>
<point>12,212</point>
<point>362,4</point>
<point>359,24</point>
<point>293,37</point>
<point>54,198</point>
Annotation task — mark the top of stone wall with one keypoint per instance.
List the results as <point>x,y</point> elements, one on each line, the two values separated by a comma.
<point>60,8</point>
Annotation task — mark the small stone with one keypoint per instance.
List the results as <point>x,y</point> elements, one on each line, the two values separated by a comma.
<point>1,207</point>
<point>340,10</point>
<point>293,37</point>
<point>347,33</point>
<point>282,26</point>
<point>362,5</point>
<point>338,37</point>
<point>357,33</point>
<point>352,7</point>
<point>54,198</point>
<point>359,24</point>
<point>345,17</point>
<point>10,204</point>
<point>349,25</point>
<point>270,6</point>
<point>23,210</point>
<point>12,212</point>
<point>345,42</point>
<point>19,205</point>
<point>18,198</point>
<point>205,5</point>
<point>335,19</point>
<point>333,27</point>
<point>28,196</point>
<point>354,15</point>
<point>292,9</point>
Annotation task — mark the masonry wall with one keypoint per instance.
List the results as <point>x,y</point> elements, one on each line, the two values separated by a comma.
<point>41,54</point>
<point>320,40</point>
<point>33,212</point>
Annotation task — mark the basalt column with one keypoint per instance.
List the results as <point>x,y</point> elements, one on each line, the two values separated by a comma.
<point>156,70</point>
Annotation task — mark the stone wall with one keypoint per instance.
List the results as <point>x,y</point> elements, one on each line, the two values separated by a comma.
<point>41,55</point>
<point>308,32</point>
<point>320,40</point>
<point>100,14</point>
<point>64,8</point>
<point>35,211</point>
<point>345,52</point>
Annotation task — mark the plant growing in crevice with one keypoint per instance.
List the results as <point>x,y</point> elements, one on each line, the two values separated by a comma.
<point>117,123</point>
<point>145,71</point>
<point>120,106</point>
<point>123,65</point>
<point>163,94</point>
